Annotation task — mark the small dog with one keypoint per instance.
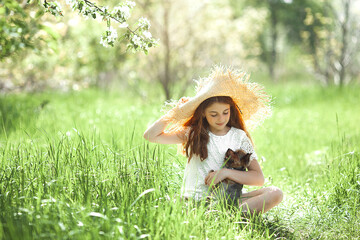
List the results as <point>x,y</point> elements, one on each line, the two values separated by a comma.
<point>238,160</point>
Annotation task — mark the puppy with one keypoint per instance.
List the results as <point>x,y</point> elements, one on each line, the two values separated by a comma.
<point>238,160</point>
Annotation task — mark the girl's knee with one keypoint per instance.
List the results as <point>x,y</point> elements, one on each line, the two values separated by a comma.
<point>276,194</point>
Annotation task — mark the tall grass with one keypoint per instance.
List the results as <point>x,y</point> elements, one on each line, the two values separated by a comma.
<point>75,166</point>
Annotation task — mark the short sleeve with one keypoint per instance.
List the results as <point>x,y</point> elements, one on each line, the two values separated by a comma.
<point>246,146</point>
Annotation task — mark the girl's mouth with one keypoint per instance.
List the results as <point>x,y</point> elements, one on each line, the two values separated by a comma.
<point>219,124</point>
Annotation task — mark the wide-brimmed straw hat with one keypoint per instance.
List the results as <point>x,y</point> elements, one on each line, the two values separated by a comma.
<point>253,102</point>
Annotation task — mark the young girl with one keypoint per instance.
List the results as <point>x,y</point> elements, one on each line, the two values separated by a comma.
<point>211,122</point>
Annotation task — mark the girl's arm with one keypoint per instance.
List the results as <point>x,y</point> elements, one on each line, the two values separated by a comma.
<point>253,177</point>
<point>155,133</point>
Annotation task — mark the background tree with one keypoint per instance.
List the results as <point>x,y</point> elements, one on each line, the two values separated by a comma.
<point>269,37</point>
<point>320,36</point>
<point>331,35</point>
<point>165,65</point>
<point>207,34</point>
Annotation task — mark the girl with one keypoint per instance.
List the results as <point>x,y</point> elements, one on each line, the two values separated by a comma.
<point>211,122</point>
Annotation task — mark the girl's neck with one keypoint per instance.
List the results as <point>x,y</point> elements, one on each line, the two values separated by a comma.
<point>220,132</point>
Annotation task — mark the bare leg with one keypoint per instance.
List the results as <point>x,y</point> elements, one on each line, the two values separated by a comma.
<point>261,200</point>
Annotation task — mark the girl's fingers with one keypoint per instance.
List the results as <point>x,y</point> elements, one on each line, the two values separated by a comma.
<point>209,178</point>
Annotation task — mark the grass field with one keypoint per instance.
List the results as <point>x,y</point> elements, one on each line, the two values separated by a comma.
<point>75,166</point>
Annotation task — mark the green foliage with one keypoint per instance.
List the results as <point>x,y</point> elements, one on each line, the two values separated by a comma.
<point>75,166</point>
<point>21,25</point>
<point>76,60</point>
<point>53,8</point>
<point>19,28</point>
<point>139,39</point>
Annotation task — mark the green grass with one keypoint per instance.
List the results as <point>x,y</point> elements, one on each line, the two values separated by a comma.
<point>75,166</point>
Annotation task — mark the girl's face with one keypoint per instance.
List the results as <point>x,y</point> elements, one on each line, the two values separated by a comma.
<point>218,115</point>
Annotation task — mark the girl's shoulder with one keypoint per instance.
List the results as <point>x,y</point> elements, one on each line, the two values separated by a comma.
<point>238,131</point>
<point>238,134</point>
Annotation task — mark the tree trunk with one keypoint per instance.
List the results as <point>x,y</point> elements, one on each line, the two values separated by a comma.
<point>344,40</point>
<point>274,37</point>
<point>166,78</point>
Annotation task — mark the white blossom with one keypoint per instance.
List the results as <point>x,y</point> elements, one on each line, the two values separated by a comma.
<point>123,25</point>
<point>54,8</point>
<point>122,11</point>
<point>110,37</point>
<point>113,33</point>
<point>147,34</point>
<point>136,40</point>
<point>139,40</point>
<point>86,11</point>
<point>144,23</point>
<point>99,18</point>
<point>131,4</point>
<point>70,2</point>
<point>58,8</point>
<point>103,41</point>
<point>105,9</point>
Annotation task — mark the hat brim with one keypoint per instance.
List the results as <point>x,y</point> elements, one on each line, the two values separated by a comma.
<point>250,97</point>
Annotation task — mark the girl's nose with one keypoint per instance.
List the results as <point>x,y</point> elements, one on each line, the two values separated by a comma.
<point>221,118</point>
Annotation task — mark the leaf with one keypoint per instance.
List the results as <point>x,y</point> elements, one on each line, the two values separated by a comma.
<point>141,195</point>
<point>96,214</point>
<point>55,35</point>
<point>39,13</point>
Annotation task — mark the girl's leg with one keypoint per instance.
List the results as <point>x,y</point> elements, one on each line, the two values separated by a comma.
<point>261,200</point>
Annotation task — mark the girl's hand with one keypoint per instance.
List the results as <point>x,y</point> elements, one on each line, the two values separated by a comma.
<point>215,177</point>
<point>183,100</point>
<point>175,113</point>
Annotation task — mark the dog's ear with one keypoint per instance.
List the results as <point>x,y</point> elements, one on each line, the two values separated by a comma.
<point>229,153</point>
<point>240,153</point>
<point>246,159</point>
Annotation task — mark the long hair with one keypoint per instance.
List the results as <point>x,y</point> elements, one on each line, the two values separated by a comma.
<point>198,137</point>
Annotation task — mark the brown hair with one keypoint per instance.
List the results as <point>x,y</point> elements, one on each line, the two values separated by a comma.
<point>198,137</point>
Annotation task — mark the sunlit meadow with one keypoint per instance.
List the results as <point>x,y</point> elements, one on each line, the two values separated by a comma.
<point>75,166</point>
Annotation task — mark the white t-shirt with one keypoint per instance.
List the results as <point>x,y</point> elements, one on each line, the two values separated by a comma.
<point>196,170</point>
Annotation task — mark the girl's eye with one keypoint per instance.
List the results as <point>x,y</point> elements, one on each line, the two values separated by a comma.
<point>213,115</point>
<point>226,113</point>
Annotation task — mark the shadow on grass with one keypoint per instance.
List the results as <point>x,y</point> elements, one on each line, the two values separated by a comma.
<point>277,230</point>
<point>264,225</point>
<point>18,111</point>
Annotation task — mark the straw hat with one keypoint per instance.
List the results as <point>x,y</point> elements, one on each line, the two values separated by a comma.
<point>252,101</point>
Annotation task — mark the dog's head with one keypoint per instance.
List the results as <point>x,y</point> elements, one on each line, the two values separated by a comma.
<point>237,159</point>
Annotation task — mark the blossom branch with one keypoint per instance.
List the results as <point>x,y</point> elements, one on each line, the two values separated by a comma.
<point>139,39</point>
